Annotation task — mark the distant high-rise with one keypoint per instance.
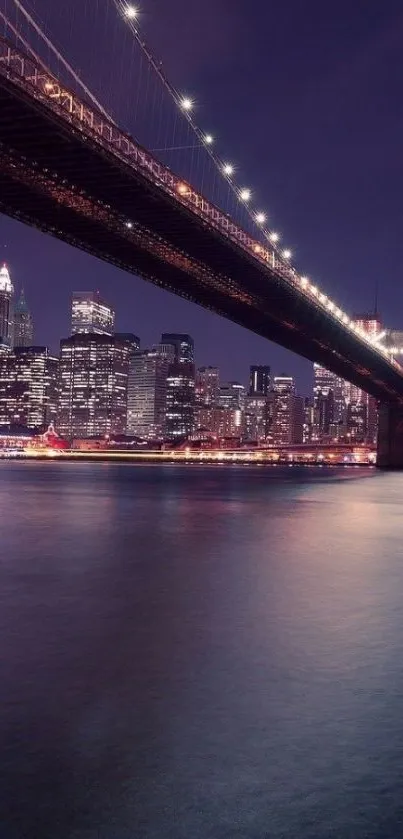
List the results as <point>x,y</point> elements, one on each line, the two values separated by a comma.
<point>328,403</point>
<point>259,380</point>
<point>288,412</point>
<point>90,314</point>
<point>207,385</point>
<point>23,323</point>
<point>29,387</point>
<point>6,307</point>
<point>93,384</point>
<point>147,392</point>
<point>183,346</point>
<point>180,405</point>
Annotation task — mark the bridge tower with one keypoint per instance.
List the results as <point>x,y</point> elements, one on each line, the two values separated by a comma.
<point>390,436</point>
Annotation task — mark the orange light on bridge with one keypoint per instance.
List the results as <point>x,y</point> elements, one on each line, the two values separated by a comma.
<point>183,189</point>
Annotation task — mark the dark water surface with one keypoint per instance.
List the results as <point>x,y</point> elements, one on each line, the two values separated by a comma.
<point>191,652</point>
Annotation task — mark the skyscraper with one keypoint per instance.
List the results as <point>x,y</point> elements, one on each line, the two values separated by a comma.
<point>328,403</point>
<point>183,345</point>
<point>90,314</point>
<point>23,323</point>
<point>259,380</point>
<point>6,307</point>
<point>179,419</point>
<point>29,387</point>
<point>288,412</point>
<point>147,392</point>
<point>207,385</point>
<point>94,372</point>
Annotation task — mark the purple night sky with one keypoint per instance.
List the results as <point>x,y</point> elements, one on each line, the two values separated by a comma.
<point>306,97</point>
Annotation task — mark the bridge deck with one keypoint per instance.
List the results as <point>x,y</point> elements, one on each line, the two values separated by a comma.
<point>66,182</point>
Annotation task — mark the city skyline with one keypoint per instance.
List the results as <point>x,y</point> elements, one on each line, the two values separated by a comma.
<point>303,372</point>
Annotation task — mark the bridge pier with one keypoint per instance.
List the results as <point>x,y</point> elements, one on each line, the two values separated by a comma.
<point>390,437</point>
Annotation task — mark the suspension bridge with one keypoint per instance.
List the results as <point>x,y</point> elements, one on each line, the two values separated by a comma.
<point>160,203</point>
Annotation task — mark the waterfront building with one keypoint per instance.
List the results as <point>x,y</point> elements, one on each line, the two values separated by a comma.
<point>219,422</point>
<point>207,386</point>
<point>147,391</point>
<point>259,380</point>
<point>23,323</point>
<point>94,370</point>
<point>288,412</point>
<point>90,314</point>
<point>6,307</point>
<point>29,387</point>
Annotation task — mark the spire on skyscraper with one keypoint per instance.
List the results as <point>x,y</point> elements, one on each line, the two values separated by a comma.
<point>23,324</point>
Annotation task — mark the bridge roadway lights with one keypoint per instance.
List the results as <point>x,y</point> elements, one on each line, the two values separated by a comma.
<point>390,437</point>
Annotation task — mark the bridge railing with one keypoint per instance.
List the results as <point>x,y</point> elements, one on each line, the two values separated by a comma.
<point>26,72</point>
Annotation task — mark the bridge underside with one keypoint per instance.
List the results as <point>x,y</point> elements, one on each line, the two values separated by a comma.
<point>55,178</point>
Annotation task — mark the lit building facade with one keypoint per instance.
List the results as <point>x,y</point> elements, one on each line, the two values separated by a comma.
<point>257,418</point>
<point>182,344</point>
<point>94,371</point>
<point>329,404</point>
<point>180,403</point>
<point>29,387</point>
<point>207,386</point>
<point>90,314</point>
<point>288,412</point>
<point>147,392</point>
<point>23,324</point>
<point>6,307</point>
<point>259,380</point>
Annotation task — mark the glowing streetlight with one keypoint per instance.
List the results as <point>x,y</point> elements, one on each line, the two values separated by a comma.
<point>129,225</point>
<point>261,218</point>
<point>228,169</point>
<point>274,237</point>
<point>245,194</point>
<point>287,254</point>
<point>208,139</point>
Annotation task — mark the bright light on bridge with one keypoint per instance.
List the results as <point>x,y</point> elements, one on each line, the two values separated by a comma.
<point>131,12</point>
<point>261,218</point>
<point>286,254</point>
<point>208,139</point>
<point>187,103</point>
<point>274,237</point>
<point>245,194</point>
<point>228,169</point>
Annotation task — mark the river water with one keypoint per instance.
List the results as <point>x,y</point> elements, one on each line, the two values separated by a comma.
<point>195,652</point>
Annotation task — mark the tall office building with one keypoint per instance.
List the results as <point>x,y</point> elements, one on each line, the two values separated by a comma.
<point>23,323</point>
<point>362,412</point>
<point>90,314</point>
<point>232,395</point>
<point>6,307</point>
<point>183,346</point>
<point>147,392</point>
<point>29,387</point>
<point>180,404</point>
<point>328,404</point>
<point>179,418</point>
<point>288,412</point>
<point>259,380</point>
<point>94,373</point>
<point>207,385</point>
<point>257,418</point>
